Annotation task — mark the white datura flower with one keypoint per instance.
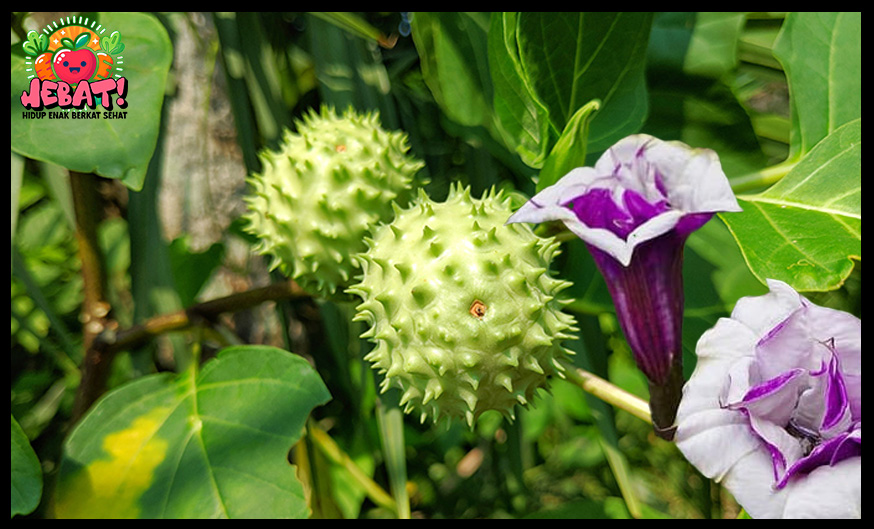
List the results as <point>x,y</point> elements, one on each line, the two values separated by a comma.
<point>634,210</point>
<point>774,407</point>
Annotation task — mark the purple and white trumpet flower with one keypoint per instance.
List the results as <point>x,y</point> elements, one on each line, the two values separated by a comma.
<point>774,407</point>
<point>634,210</point>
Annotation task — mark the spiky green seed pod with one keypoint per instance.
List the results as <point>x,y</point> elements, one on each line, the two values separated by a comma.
<point>321,192</point>
<point>461,307</point>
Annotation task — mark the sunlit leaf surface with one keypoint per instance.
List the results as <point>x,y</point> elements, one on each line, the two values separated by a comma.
<point>213,445</point>
<point>806,229</point>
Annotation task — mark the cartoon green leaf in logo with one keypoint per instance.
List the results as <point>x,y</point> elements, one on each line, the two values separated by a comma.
<point>80,42</point>
<point>36,43</point>
<point>112,44</point>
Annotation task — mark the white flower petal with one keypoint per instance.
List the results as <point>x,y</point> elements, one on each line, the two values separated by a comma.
<point>827,492</point>
<point>691,179</point>
<point>604,240</point>
<point>622,250</point>
<point>763,313</point>
<point>751,483</point>
<point>715,440</point>
<point>658,225</point>
<point>744,438</point>
<point>790,345</point>
<point>729,339</point>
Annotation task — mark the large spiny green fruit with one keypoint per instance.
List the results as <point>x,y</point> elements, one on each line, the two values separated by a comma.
<point>321,192</point>
<point>461,307</point>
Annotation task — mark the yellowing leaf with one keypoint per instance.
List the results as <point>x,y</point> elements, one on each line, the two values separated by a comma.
<point>112,487</point>
<point>206,444</point>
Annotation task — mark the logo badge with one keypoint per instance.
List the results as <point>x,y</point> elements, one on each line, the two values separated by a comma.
<point>74,63</point>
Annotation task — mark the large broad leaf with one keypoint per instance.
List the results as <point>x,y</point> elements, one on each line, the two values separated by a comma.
<point>520,117</point>
<point>26,473</point>
<point>822,56</point>
<point>545,66</point>
<point>453,53</point>
<point>210,445</point>
<point>712,50</point>
<point>114,148</point>
<point>806,229</point>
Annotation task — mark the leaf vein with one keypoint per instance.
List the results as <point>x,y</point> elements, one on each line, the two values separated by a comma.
<point>759,199</point>
<point>786,237</point>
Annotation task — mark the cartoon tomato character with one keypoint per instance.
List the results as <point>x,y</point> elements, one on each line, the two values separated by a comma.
<point>74,66</point>
<point>75,62</point>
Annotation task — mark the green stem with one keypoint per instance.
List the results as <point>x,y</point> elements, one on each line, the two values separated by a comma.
<point>390,421</point>
<point>332,451</point>
<point>764,178</point>
<point>609,393</point>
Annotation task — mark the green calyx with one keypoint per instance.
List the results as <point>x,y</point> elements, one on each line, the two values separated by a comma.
<point>461,307</point>
<point>318,196</point>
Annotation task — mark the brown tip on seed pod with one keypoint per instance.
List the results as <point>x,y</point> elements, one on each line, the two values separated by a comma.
<point>478,309</point>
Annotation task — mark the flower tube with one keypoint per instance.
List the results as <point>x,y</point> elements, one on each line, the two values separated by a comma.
<point>774,407</point>
<point>634,210</point>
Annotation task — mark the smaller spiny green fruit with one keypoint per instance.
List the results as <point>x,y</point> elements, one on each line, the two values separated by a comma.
<point>317,197</point>
<point>461,307</point>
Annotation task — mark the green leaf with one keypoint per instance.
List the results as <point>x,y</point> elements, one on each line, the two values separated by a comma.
<point>712,49</point>
<point>354,25</point>
<point>688,55</point>
<point>206,445</point>
<point>36,43</point>
<point>521,118</point>
<point>822,56</point>
<point>26,473</point>
<point>390,421</point>
<point>573,58</point>
<point>348,72</point>
<point>113,148</point>
<point>191,270</point>
<point>570,150</point>
<point>806,229</point>
<point>560,62</point>
<point>453,53</point>
<point>696,44</point>
<point>81,40</point>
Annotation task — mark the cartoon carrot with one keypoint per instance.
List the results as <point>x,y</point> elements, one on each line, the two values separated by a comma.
<point>109,46</point>
<point>37,46</point>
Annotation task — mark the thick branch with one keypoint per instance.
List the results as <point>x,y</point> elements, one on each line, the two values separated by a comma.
<point>142,333</point>
<point>95,308</point>
<point>101,340</point>
<point>109,342</point>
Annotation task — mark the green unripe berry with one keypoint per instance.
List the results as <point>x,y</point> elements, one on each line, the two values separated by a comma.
<point>319,194</point>
<point>461,307</point>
